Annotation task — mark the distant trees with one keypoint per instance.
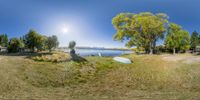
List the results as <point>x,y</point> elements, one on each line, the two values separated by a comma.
<point>3,40</point>
<point>32,40</point>
<point>177,38</point>
<point>35,41</point>
<point>195,40</point>
<point>52,42</point>
<point>142,30</point>
<point>15,45</point>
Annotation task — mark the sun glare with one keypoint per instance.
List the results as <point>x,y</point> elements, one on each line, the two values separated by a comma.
<point>65,30</point>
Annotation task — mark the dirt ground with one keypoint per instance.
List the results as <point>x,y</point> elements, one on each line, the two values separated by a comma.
<point>188,59</point>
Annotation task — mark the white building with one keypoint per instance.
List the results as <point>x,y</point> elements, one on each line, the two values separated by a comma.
<point>3,49</point>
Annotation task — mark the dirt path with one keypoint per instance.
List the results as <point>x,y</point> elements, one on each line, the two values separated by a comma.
<point>188,59</point>
<point>192,60</point>
<point>0,58</point>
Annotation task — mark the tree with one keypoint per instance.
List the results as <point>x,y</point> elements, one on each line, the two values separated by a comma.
<point>41,45</point>
<point>72,45</point>
<point>15,45</point>
<point>194,40</point>
<point>34,40</point>
<point>141,30</point>
<point>52,42</point>
<point>73,54</point>
<point>177,38</point>
<point>4,40</point>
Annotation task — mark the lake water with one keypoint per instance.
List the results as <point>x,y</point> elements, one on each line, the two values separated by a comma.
<point>102,52</point>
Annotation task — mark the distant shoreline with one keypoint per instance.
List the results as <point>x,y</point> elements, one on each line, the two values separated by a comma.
<point>99,48</point>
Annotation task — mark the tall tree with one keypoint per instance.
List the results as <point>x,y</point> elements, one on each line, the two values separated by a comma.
<point>52,42</point>
<point>34,40</point>
<point>194,40</point>
<point>177,38</point>
<point>4,40</point>
<point>15,45</point>
<point>41,43</point>
<point>141,30</point>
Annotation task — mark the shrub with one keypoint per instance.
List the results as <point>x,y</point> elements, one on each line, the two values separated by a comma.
<point>15,44</point>
<point>55,57</point>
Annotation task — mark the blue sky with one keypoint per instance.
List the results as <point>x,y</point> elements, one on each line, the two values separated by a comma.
<point>88,21</point>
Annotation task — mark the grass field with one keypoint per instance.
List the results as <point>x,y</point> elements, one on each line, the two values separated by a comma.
<point>152,77</point>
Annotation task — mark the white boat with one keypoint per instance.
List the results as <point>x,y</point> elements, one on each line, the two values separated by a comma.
<point>122,60</point>
<point>99,54</point>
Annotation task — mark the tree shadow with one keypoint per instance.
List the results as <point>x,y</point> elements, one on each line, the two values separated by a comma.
<point>77,58</point>
<point>30,55</point>
<point>27,54</point>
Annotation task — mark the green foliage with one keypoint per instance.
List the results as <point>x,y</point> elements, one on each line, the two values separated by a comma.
<point>160,49</point>
<point>15,45</point>
<point>72,44</point>
<point>141,30</point>
<point>195,40</point>
<point>52,42</point>
<point>177,38</point>
<point>43,46</point>
<point>34,40</point>
<point>4,40</point>
<point>139,50</point>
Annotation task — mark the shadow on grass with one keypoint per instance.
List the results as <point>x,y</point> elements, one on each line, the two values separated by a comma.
<point>43,57</point>
<point>27,54</point>
<point>77,58</point>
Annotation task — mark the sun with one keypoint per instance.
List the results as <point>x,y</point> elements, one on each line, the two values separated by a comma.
<point>65,30</point>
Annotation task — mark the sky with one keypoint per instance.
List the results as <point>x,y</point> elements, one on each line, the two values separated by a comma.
<point>88,22</point>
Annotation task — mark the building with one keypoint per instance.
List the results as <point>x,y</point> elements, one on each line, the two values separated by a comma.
<point>197,49</point>
<point>3,49</point>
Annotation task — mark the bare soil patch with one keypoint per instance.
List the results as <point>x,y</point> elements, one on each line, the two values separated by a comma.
<point>188,59</point>
<point>174,58</point>
<point>192,60</point>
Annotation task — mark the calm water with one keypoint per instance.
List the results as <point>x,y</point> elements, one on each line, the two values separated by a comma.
<point>103,52</point>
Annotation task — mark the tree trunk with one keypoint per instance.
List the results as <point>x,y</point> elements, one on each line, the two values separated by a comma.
<point>154,46</point>
<point>150,49</point>
<point>146,51</point>
<point>194,50</point>
<point>174,51</point>
<point>32,49</point>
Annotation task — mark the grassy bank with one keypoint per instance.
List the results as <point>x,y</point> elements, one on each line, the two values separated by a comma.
<point>149,77</point>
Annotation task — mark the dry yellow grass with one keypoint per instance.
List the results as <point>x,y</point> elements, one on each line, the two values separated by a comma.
<point>54,57</point>
<point>149,77</point>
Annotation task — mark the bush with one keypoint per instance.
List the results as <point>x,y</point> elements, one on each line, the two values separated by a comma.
<point>15,44</point>
<point>55,57</point>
